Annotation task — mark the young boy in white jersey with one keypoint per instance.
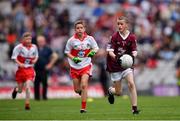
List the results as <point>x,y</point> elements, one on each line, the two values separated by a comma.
<point>122,42</point>
<point>80,48</point>
<point>25,55</point>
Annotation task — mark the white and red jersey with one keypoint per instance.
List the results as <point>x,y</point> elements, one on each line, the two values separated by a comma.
<point>80,48</point>
<point>25,54</point>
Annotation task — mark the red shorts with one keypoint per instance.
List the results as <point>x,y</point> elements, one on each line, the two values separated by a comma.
<point>24,74</point>
<point>77,73</point>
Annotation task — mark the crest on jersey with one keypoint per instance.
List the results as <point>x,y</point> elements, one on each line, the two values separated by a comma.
<point>81,53</point>
<point>121,51</point>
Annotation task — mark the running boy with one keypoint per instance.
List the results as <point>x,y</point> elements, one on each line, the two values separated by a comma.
<point>80,48</point>
<point>25,55</point>
<point>122,42</point>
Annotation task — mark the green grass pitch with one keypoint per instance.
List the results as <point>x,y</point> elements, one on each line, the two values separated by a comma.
<point>152,108</point>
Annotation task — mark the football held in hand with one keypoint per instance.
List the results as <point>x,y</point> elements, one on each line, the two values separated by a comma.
<point>126,61</point>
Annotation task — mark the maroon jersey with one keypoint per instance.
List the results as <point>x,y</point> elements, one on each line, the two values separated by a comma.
<point>120,46</point>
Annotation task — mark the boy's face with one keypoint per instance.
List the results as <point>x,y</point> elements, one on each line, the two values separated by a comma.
<point>27,40</point>
<point>122,25</point>
<point>79,29</point>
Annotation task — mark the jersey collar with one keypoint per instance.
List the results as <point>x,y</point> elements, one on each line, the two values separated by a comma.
<point>27,46</point>
<point>124,37</point>
<point>84,36</point>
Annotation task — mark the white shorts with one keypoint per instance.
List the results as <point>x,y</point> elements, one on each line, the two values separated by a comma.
<point>117,76</point>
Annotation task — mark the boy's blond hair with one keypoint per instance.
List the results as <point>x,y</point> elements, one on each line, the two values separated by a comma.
<point>79,22</point>
<point>124,18</point>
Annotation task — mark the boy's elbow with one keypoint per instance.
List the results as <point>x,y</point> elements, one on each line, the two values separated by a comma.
<point>55,56</point>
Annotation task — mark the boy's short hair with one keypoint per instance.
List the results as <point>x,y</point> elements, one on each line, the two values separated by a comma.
<point>26,35</point>
<point>79,22</point>
<point>124,18</point>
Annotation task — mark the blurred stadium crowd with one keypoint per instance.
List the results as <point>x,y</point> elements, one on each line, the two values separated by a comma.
<point>155,22</point>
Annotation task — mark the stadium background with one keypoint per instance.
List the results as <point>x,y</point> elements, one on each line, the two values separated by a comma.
<point>155,22</point>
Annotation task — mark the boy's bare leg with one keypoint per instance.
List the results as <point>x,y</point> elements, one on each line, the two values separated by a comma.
<point>115,90</point>
<point>77,88</point>
<point>84,87</point>
<point>133,92</point>
<point>17,89</point>
<point>27,100</point>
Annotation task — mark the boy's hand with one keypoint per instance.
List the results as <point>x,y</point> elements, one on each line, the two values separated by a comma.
<point>48,66</point>
<point>21,65</point>
<point>33,61</point>
<point>118,60</point>
<point>77,60</point>
<point>91,53</point>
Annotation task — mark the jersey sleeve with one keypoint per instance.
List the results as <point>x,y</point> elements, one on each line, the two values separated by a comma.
<point>133,46</point>
<point>133,43</point>
<point>94,44</point>
<point>16,52</point>
<point>110,45</point>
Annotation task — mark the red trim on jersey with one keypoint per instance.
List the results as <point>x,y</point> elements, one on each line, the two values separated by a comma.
<point>28,46</point>
<point>23,59</point>
<point>87,51</point>
<point>75,52</point>
<point>77,37</point>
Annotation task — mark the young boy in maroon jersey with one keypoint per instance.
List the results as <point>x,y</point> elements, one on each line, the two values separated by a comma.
<point>80,48</point>
<point>122,42</point>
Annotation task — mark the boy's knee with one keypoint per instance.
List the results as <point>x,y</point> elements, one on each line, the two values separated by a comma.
<point>131,85</point>
<point>84,87</point>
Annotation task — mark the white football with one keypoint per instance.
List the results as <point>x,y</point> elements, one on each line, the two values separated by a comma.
<point>126,61</point>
